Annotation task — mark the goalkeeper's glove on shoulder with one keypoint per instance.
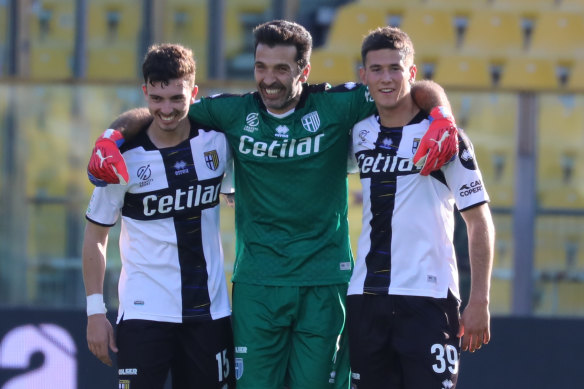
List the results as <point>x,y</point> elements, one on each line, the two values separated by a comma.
<point>106,165</point>
<point>440,143</point>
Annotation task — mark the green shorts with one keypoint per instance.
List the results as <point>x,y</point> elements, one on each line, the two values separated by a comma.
<point>290,336</point>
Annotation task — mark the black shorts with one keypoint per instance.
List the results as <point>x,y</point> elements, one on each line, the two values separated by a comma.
<point>404,342</point>
<point>198,355</point>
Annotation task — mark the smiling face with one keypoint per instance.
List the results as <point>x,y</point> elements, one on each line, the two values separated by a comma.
<point>278,77</point>
<point>388,77</point>
<point>169,102</point>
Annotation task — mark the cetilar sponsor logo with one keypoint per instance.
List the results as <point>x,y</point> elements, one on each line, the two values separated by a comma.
<point>280,148</point>
<point>468,189</point>
<point>384,163</point>
<point>191,197</point>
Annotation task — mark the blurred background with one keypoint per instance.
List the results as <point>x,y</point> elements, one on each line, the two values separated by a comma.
<point>513,71</point>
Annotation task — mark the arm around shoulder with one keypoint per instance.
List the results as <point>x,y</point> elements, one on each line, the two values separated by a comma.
<point>428,94</point>
<point>131,122</point>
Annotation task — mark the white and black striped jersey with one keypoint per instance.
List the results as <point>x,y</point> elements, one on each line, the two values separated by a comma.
<point>406,243</point>
<point>170,246</point>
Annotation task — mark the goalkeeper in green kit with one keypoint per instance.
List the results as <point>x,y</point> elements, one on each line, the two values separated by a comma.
<point>293,257</point>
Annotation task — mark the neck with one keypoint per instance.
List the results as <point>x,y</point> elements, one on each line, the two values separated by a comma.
<point>398,115</point>
<point>168,138</point>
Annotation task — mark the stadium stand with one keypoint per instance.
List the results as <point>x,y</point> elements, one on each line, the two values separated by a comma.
<point>352,22</point>
<point>52,40</point>
<point>493,33</point>
<point>490,121</point>
<point>431,30</point>
<point>458,71</point>
<point>558,35</point>
<point>561,130</point>
<point>185,22</point>
<point>334,68</point>
<point>522,73</point>
<point>113,42</point>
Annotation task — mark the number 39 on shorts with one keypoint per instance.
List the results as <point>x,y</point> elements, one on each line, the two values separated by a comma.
<point>446,357</point>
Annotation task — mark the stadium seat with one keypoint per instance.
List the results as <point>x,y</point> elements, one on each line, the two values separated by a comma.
<point>571,298</point>
<point>51,41</point>
<point>560,172</point>
<point>432,30</point>
<point>454,71</point>
<point>558,34</point>
<point>493,33</point>
<point>113,40</point>
<point>576,79</point>
<point>489,119</point>
<point>352,22</point>
<point>185,22</point>
<point>334,68</point>
<point>501,292</point>
<point>522,73</point>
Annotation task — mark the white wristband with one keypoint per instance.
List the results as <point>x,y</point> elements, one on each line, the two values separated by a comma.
<point>95,304</point>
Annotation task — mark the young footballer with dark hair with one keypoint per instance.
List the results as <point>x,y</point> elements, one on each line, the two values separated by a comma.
<point>403,301</point>
<point>293,257</point>
<point>174,313</point>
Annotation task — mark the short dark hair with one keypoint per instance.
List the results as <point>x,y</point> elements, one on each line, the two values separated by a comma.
<point>283,32</point>
<point>388,38</point>
<point>167,61</point>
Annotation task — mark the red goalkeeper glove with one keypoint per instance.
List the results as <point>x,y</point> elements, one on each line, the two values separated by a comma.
<point>106,165</point>
<point>440,143</point>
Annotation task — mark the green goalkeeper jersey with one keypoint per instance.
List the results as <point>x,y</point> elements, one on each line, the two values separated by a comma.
<point>290,182</point>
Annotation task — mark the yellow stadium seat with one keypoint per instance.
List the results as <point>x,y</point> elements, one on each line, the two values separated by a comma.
<point>571,298</point>
<point>576,80</point>
<point>501,292</point>
<point>489,119</point>
<point>113,40</point>
<point>462,71</point>
<point>185,22</point>
<point>528,74</point>
<point>558,34</point>
<point>431,30</point>
<point>52,40</point>
<point>560,161</point>
<point>334,68</point>
<point>493,33</point>
<point>352,22</point>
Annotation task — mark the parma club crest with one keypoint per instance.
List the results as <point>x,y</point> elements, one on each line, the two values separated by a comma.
<point>311,122</point>
<point>238,368</point>
<point>212,159</point>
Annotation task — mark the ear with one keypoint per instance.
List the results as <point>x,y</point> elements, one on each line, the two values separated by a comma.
<point>145,90</point>
<point>413,72</point>
<point>194,94</point>
<point>362,75</point>
<point>305,73</point>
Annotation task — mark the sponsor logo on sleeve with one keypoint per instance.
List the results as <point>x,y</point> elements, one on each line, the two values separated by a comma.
<point>470,188</point>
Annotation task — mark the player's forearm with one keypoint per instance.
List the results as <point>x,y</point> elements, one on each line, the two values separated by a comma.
<point>481,238</point>
<point>131,122</point>
<point>94,259</point>
<point>428,94</point>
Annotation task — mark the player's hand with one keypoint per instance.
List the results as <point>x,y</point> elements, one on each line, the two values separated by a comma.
<point>475,327</point>
<point>106,165</point>
<point>100,336</point>
<point>440,143</point>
